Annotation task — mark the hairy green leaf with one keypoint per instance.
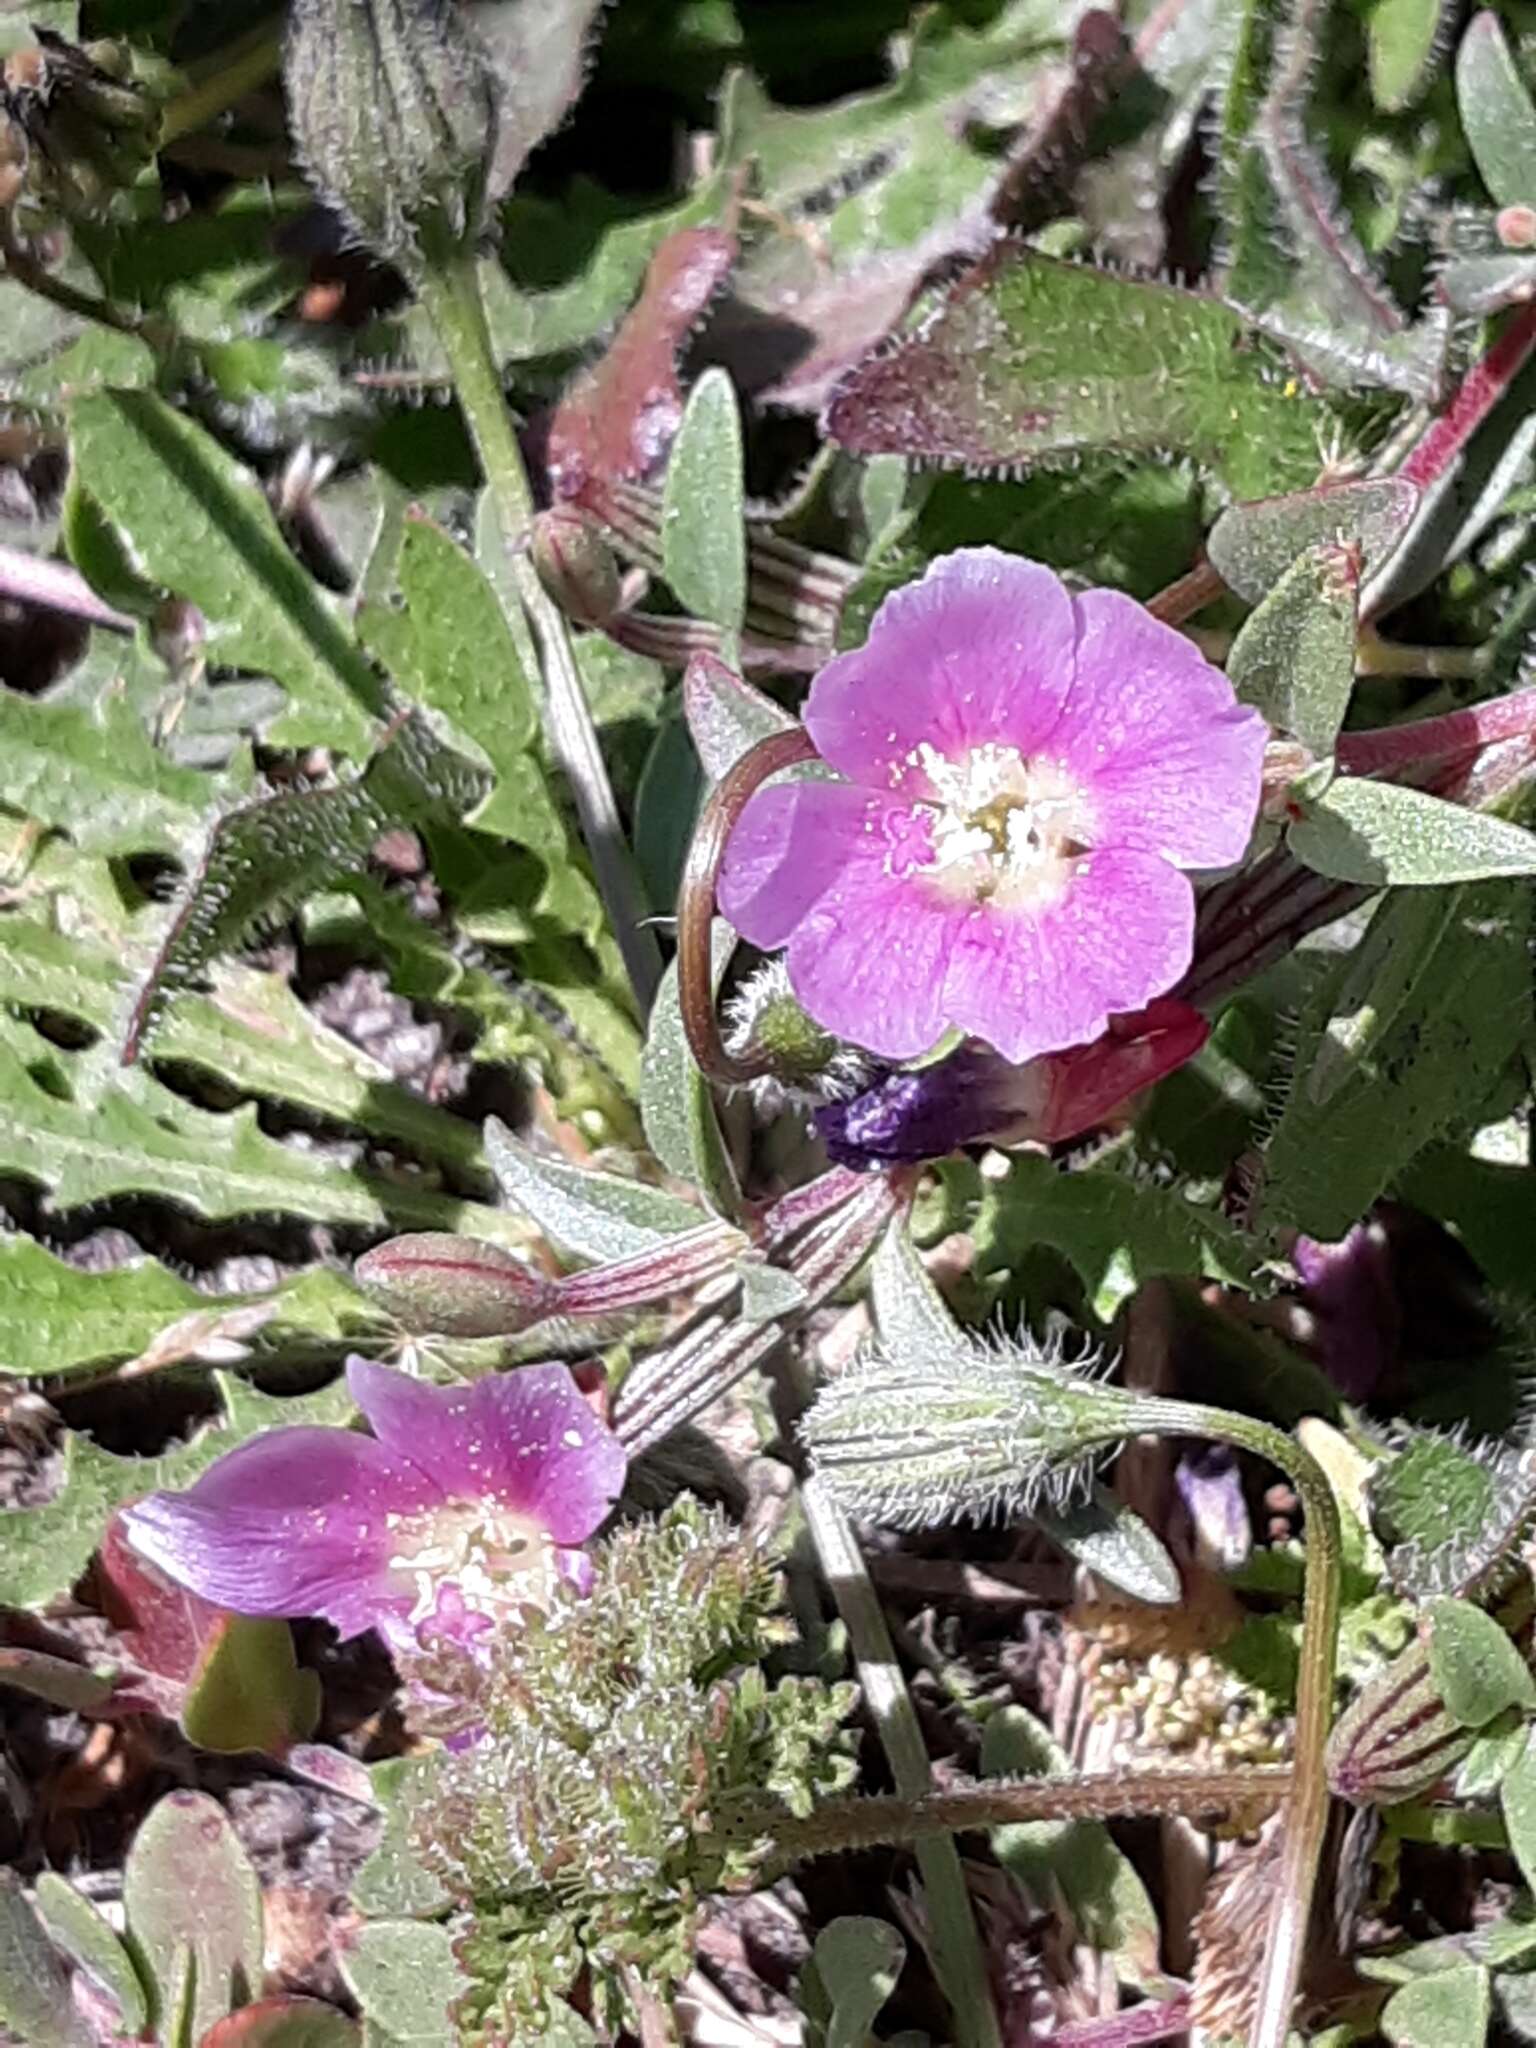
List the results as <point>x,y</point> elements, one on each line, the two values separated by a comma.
<point>404,1975</point>
<point>1403,37</point>
<point>853,1970</point>
<point>1253,545</point>
<point>703,520</point>
<point>589,1214</point>
<point>86,1937</point>
<point>1447,2009</point>
<point>1294,659</point>
<point>1380,833</point>
<point>193,1903</point>
<point>34,1984</point>
<point>1477,1670</point>
<point>1497,112</point>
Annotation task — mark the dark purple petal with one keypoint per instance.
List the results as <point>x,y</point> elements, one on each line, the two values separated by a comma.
<point>300,1521</point>
<point>981,649</point>
<point>526,1439</point>
<point>792,843</point>
<point>1038,980</point>
<point>1168,758</point>
<point>909,1117</point>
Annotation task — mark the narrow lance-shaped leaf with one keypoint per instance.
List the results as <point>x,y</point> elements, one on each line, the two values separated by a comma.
<point>1294,659</point>
<point>85,1935</point>
<point>1383,833</point>
<point>1404,38</point>
<point>34,1984</point>
<point>1030,361</point>
<point>1497,112</point>
<point>703,517</point>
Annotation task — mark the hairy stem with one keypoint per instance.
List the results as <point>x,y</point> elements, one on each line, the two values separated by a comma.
<point>958,1960</point>
<point>238,70</point>
<point>450,291</point>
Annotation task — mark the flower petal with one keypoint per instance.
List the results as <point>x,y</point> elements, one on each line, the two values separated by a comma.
<point>1170,760</point>
<point>791,843</point>
<point>526,1439</point>
<point>980,649</point>
<point>296,1522</point>
<point>1036,981</point>
<point>868,962</point>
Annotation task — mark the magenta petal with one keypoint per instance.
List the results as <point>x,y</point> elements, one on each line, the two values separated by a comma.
<point>298,1522</point>
<point>524,1438</point>
<point>1031,982</point>
<point>1170,760</point>
<point>868,963</point>
<point>980,649</point>
<point>790,845</point>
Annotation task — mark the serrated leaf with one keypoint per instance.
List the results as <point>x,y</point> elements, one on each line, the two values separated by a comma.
<point>1075,1862</point>
<point>198,524</point>
<point>853,1970</point>
<point>93,774</point>
<point>448,646</point>
<point>1384,833</point>
<point>1116,1231</point>
<point>262,859</point>
<point>406,1978</point>
<point>1496,112</point>
<point>1294,659</point>
<point>1376,1079</point>
<point>44,1549</point>
<point>87,1938</point>
<point>592,1215</point>
<point>189,1891</point>
<point>34,1984</point>
<point>1030,361</point>
<point>676,1106</point>
<point>1477,1670</point>
<point>1252,546</point>
<point>703,517</point>
<point>1402,38</point>
<point>1448,2009</point>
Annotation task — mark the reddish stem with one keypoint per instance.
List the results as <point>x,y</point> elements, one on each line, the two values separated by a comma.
<point>1158,2020</point>
<point>1480,391</point>
<point>1467,731</point>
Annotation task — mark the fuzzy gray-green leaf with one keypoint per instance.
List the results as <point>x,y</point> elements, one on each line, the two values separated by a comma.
<point>1497,112</point>
<point>1383,833</point>
<point>703,530</point>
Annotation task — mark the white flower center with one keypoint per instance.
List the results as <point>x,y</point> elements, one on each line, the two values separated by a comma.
<point>498,1560</point>
<point>1006,828</point>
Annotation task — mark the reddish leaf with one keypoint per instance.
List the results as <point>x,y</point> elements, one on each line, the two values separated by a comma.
<point>618,418</point>
<point>283,2023</point>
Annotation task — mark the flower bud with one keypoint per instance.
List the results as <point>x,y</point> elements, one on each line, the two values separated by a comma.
<point>1515,226</point>
<point>576,566</point>
<point>808,1064</point>
<point>394,108</point>
<point>1396,1738</point>
<point>454,1286</point>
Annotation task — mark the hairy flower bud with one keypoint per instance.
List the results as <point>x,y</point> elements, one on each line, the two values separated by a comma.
<point>1397,1737</point>
<point>576,566</point>
<point>454,1286</point>
<point>809,1064</point>
<point>394,107</point>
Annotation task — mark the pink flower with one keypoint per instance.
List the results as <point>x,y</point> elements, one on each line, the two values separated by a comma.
<point>461,1506</point>
<point>1025,775</point>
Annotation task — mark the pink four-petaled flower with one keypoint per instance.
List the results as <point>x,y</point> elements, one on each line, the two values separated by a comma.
<point>463,1504</point>
<point>1025,777</point>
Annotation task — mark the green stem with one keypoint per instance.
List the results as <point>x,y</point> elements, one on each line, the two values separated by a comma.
<point>449,289</point>
<point>249,64</point>
<point>866,1823</point>
<point>1306,1811</point>
<point>957,1955</point>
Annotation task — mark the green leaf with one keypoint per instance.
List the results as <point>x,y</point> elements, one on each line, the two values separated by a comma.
<point>447,645</point>
<point>1252,546</point>
<point>1449,2009</point>
<point>1117,1232</point>
<point>1030,361</point>
<point>1517,1798</point>
<point>591,1215</point>
<point>264,858</point>
<point>1294,659</point>
<point>188,1886</point>
<point>89,1941</point>
<point>57,1321</point>
<point>44,1549</point>
<point>703,520</point>
<point>34,1984</point>
<point>853,1970</point>
<point>1403,1037</point>
<point>676,1105</point>
<point>1383,833</point>
<point>1070,1865</point>
<point>405,1976</point>
<point>1477,1670</point>
<point>248,1692</point>
<point>93,774</point>
<point>1451,1516</point>
<point>1496,112</point>
<point>1403,37</point>
<point>392,1883</point>
<point>1486,1765</point>
<point>726,716</point>
<point>197,522</point>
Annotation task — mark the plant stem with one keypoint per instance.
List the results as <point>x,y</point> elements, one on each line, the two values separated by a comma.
<point>957,1955</point>
<point>449,289</point>
<point>872,1822</point>
<point>1306,1810</point>
<point>247,64</point>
